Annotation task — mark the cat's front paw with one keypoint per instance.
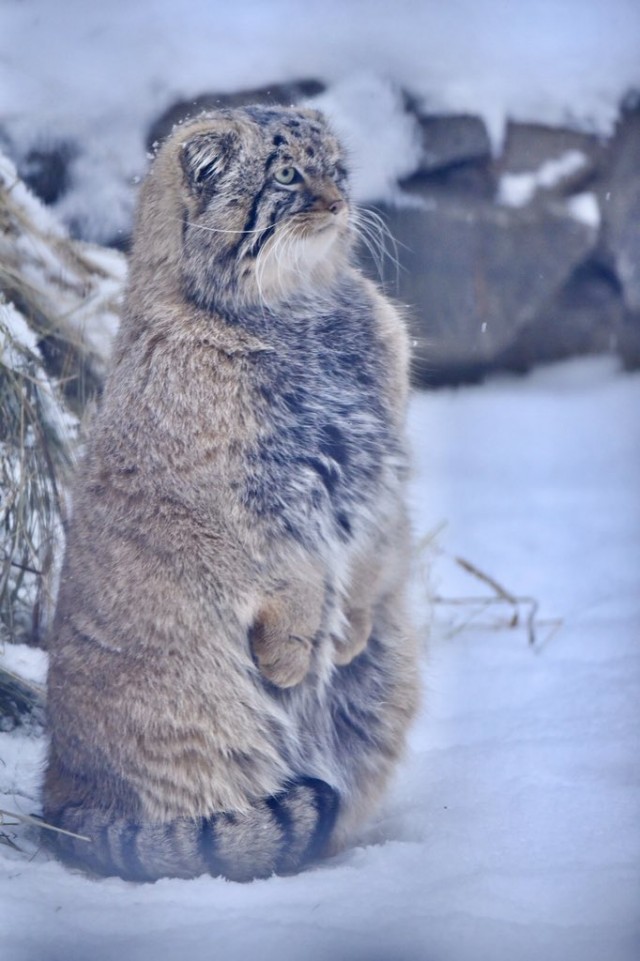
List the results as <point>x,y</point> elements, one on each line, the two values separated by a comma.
<point>346,648</point>
<point>283,659</point>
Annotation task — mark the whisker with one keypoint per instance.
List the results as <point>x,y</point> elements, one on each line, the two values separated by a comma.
<point>375,216</point>
<point>221,230</point>
<point>375,235</point>
<point>284,253</point>
<point>371,241</point>
<point>270,251</point>
<point>372,244</point>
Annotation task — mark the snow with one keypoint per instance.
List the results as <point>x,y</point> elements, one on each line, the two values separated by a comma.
<point>80,283</point>
<point>513,827</point>
<point>27,662</point>
<point>517,190</point>
<point>512,831</point>
<point>366,110</point>
<point>99,74</point>
<point>20,352</point>
<point>16,337</point>
<point>585,207</point>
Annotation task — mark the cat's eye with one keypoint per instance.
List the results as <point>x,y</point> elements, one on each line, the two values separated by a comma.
<point>287,175</point>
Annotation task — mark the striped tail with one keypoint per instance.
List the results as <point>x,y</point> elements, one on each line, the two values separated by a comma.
<point>280,834</point>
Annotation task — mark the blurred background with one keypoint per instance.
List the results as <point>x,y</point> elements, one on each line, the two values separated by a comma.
<point>498,139</point>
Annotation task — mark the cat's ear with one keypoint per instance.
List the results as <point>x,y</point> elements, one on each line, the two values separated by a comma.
<point>205,157</point>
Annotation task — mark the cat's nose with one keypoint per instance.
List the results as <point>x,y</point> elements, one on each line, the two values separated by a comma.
<point>330,200</point>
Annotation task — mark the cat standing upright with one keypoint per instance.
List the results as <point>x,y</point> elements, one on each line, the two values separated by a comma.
<point>232,672</point>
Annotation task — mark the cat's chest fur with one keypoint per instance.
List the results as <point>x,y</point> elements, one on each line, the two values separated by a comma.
<point>326,449</point>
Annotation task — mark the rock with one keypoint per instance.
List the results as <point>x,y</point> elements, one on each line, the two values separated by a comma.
<point>283,94</point>
<point>452,139</point>
<point>46,170</point>
<point>586,317</point>
<point>464,180</point>
<point>475,275</point>
<point>620,202</point>
<point>539,162</point>
<point>44,165</point>
<point>629,341</point>
<point>455,159</point>
<point>528,146</point>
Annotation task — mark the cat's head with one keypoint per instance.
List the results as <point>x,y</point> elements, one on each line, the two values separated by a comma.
<point>261,202</point>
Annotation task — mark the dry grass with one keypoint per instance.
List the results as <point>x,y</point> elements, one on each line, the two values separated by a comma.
<point>59,301</point>
<point>59,286</point>
<point>498,608</point>
<point>36,453</point>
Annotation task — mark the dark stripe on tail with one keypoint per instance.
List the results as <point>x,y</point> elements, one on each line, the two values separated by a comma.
<point>207,846</point>
<point>326,803</point>
<point>280,834</point>
<point>284,820</point>
<point>129,852</point>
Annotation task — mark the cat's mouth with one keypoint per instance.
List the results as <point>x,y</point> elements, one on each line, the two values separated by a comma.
<point>322,221</point>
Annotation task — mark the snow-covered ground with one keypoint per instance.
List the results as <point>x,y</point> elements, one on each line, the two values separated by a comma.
<point>513,829</point>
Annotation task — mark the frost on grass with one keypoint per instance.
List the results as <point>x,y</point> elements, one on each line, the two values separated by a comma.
<point>37,434</point>
<point>69,292</point>
<point>59,304</point>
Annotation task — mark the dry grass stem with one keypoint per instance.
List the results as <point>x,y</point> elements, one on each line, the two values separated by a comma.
<point>478,605</point>
<point>37,823</point>
<point>36,450</point>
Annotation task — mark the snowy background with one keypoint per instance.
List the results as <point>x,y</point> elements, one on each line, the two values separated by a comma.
<point>99,74</point>
<point>513,829</point>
